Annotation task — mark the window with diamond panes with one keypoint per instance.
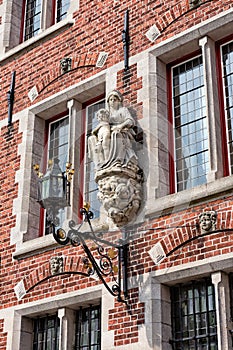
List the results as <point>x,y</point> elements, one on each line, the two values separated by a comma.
<point>194,316</point>
<point>190,124</point>
<point>58,149</point>
<point>62,8</point>
<point>88,329</point>
<point>32,23</point>
<point>227,73</point>
<point>90,187</point>
<point>46,333</point>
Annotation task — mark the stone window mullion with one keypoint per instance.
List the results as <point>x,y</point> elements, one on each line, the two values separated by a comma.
<point>212,108</point>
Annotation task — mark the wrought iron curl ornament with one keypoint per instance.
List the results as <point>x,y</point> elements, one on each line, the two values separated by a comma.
<point>101,264</point>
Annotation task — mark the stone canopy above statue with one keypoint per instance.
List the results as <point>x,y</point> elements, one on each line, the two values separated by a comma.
<point>112,149</point>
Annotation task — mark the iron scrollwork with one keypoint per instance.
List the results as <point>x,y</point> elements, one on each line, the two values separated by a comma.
<point>101,263</point>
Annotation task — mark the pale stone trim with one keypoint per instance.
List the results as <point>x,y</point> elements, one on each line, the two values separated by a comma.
<point>222,300</point>
<point>17,319</point>
<point>212,106</point>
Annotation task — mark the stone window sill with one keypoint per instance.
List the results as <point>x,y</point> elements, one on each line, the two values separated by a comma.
<point>34,246</point>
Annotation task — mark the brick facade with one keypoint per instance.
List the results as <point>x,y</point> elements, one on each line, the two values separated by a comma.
<point>169,219</point>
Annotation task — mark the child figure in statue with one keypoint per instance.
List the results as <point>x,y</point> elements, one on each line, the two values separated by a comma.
<point>102,132</point>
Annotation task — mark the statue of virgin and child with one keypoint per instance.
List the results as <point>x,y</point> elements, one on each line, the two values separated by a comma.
<point>118,175</point>
<point>111,142</point>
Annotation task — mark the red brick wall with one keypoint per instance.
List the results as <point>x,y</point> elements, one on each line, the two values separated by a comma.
<point>98,28</point>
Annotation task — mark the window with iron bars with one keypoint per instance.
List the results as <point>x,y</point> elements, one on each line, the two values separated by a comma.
<point>194,324</point>
<point>88,329</point>
<point>46,333</point>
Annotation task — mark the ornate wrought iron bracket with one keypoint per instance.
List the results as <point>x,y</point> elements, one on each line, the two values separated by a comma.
<point>101,264</point>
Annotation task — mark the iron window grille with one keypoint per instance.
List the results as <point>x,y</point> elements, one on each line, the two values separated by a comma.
<point>190,124</point>
<point>88,329</point>
<point>32,23</point>
<point>227,73</point>
<point>62,8</point>
<point>46,333</point>
<point>194,324</point>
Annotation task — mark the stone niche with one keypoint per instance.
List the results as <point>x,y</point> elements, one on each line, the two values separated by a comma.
<point>112,149</point>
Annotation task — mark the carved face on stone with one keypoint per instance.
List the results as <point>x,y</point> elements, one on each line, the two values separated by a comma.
<point>114,102</point>
<point>102,115</point>
<point>56,264</point>
<point>122,191</point>
<point>207,221</point>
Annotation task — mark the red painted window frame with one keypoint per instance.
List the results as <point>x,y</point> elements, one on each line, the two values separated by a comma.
<point>172,170</point>
<point>225,155</point>
<point>22,22</point>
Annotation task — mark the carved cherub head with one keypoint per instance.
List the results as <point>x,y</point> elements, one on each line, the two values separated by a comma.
<point>102,115</point>
<point>207,220</point>
<point>56,264</point>
<point>65,64</point>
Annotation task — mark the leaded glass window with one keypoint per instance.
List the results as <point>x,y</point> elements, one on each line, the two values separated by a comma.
<point>190,124</point>
<point>46,333</point>
<point>58,148</point>
<point>62,8</point>
<point>194,325</point>
<point>88,329</point>
<point>91,188</point>
<point>227,63</point>
<point>32,23</point>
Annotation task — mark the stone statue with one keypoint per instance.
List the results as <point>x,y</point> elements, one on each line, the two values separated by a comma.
<point>99,142</point>
<point>56,265</point>
<point>118,149</point>
<point>118,174</point>
<point>207,221</point>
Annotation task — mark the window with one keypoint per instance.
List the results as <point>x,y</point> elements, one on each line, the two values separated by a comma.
<point>62,8</point>
<point>58,149</point>
<point>90,187</point>
<point>227,74</point>
<point>88,329</point>
<point>231,301</point>
<point>190,124</point>
<point>46,333</point>
<point>32,23</point>
<point>194,316</point>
